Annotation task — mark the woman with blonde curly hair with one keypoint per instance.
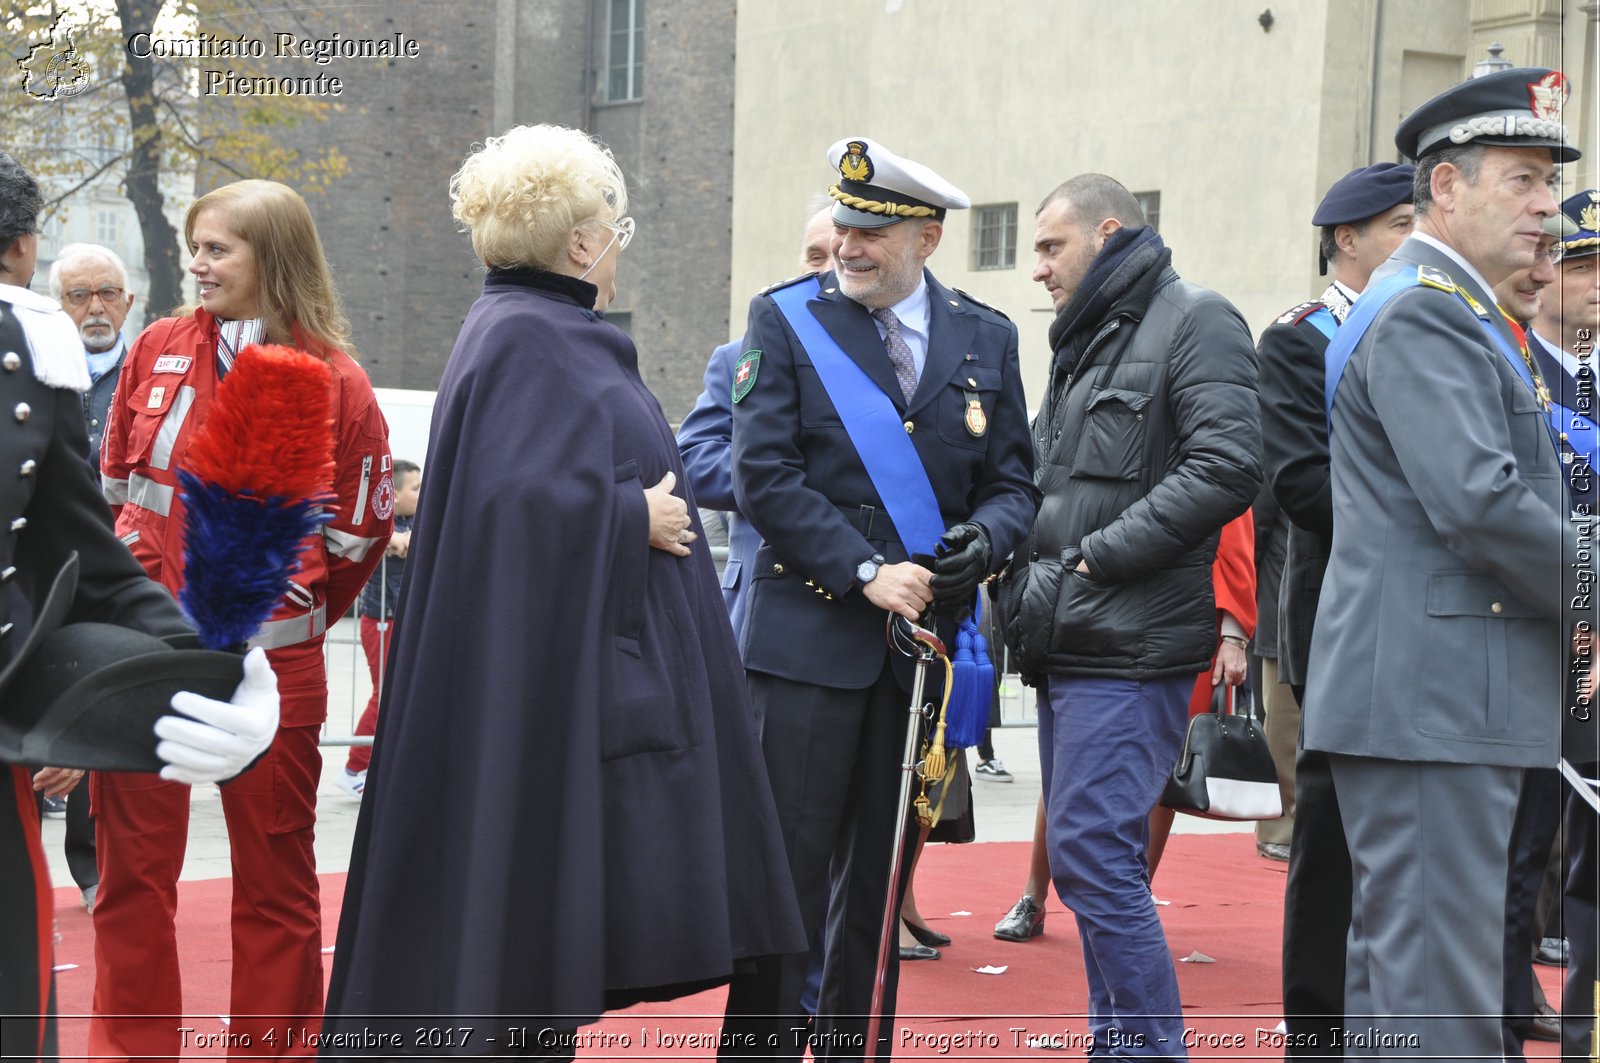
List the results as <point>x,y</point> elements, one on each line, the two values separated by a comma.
<point>262,278</point>
<point>602,831</point>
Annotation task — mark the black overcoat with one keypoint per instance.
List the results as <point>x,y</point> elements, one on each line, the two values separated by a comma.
<point>567,808</point>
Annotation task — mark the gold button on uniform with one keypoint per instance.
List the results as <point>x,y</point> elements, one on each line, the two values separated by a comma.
<point>777,570</point>
<point>910,427</point>
<point>12,361</point>
<point>22,412</point>
<point>1496,607</point>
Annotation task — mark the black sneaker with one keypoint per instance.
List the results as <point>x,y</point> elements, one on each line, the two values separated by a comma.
<point>55,808</point>
<point>993,771</point>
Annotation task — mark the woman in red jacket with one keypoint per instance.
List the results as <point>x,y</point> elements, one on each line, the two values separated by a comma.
<point>262,278</point>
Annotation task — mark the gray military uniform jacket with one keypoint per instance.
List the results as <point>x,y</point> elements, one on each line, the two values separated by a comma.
<point>1440,630</point>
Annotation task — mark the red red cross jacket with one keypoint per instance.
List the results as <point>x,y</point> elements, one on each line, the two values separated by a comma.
<point>168,382</point>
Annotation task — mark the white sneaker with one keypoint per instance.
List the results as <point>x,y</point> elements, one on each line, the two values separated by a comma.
<point>353,783</point>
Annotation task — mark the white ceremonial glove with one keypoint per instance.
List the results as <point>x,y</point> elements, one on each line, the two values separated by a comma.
<point>215,740</point>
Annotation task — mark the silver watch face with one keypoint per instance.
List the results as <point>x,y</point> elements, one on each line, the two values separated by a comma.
<point>866,571</point>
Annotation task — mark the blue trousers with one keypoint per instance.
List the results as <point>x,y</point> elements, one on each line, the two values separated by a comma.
<point>1106,747</point>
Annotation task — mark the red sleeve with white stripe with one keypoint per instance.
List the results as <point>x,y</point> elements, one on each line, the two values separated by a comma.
<point>364,486</point>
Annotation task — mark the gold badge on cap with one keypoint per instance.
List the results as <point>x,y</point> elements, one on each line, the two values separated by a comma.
<point>854,164</point>
<point>1589,217</point>
<point>977,422</point>
<point>1549,95</point>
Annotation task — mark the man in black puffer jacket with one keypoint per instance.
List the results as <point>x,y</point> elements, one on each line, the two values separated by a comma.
<point>1148,442</point>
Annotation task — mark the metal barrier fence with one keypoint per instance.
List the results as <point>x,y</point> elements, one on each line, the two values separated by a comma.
<point>350,683</point>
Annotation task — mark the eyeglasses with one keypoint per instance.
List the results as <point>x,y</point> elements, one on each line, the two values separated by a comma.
<point>108,294</point>
<point>624,229</point>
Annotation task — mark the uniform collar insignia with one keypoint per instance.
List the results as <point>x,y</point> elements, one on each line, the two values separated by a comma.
<point>1333,298</point>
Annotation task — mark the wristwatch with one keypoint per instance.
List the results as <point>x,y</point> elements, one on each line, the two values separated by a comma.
<point>867,571</point>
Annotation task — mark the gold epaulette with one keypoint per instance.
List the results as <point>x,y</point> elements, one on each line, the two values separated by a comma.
<point>1434,277</point>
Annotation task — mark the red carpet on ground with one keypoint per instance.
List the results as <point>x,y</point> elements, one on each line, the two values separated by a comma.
<point>1224,915</point>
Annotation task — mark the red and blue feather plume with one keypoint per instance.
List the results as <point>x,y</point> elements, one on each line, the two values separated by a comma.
<point>256,483</point>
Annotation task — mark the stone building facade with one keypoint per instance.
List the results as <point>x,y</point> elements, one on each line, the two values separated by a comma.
<point>408,275</point>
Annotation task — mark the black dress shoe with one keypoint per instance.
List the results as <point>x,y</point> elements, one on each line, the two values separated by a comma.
<point>1546,1025</point>
<point>919,952</point>
<point>1025,920</point>
<point>925,936</point>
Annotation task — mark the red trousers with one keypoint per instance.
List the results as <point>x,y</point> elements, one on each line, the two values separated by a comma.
<point>142,828</point>
<point>377,638</point>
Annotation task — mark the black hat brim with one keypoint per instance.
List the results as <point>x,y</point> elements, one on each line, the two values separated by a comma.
<point>88,696</point>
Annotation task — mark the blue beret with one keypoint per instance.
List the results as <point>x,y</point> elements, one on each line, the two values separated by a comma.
<point>1516,108</point>
<point>1583,235</point>
<point>1365,193</point>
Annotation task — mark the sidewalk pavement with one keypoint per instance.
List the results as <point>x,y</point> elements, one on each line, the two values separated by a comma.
<point>1005,811</point>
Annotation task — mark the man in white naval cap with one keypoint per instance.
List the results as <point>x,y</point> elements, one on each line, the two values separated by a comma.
<point>854,384</point>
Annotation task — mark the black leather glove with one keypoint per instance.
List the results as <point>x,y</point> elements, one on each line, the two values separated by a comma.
<point>958,571</point>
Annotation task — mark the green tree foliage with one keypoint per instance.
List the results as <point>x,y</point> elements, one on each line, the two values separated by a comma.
<point>81,105</point>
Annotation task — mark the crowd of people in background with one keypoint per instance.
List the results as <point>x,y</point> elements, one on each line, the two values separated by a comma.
<point>1388,497</point>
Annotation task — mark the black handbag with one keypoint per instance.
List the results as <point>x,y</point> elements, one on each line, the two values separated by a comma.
<point>1225,770</point>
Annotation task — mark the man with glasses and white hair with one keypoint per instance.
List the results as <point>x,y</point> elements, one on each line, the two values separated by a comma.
<point>91,284</point>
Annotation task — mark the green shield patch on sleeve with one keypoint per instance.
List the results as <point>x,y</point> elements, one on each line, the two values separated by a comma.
<point>744,373</point>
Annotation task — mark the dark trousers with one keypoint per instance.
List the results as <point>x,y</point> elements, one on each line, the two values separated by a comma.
<point>833,757</point>
<point>1316,911</point>
<point>1582,926</point>
<point>1533,832</point>
<point>78,843</point>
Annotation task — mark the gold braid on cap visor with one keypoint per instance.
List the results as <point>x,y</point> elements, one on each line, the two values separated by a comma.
<point>875,206</point>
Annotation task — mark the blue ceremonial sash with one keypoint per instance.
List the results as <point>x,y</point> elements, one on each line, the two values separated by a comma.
<point>897,473</point>
<point>1571,423</point>
<point>1343,343</point>
<point>1360,318</point>
<point>872,423</point>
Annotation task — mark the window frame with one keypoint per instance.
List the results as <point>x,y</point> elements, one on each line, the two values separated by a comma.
<point>1003,252</point>
<point>631,68</point>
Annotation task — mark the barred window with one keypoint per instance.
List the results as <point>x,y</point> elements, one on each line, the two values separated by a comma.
<point>625,49</point>
<point>994,236</point>
<point>1150,203</point>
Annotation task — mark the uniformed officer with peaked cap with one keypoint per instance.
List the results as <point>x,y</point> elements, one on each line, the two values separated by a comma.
<point>1363,217</point>
<point>1436,664</point>
<point>1563,342</point>
<point>830,696</point>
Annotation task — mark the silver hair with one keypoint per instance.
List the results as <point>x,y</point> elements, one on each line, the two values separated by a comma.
<point>75,253</point>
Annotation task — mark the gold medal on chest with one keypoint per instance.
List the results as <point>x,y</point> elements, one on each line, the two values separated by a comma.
<point>977,423</point>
